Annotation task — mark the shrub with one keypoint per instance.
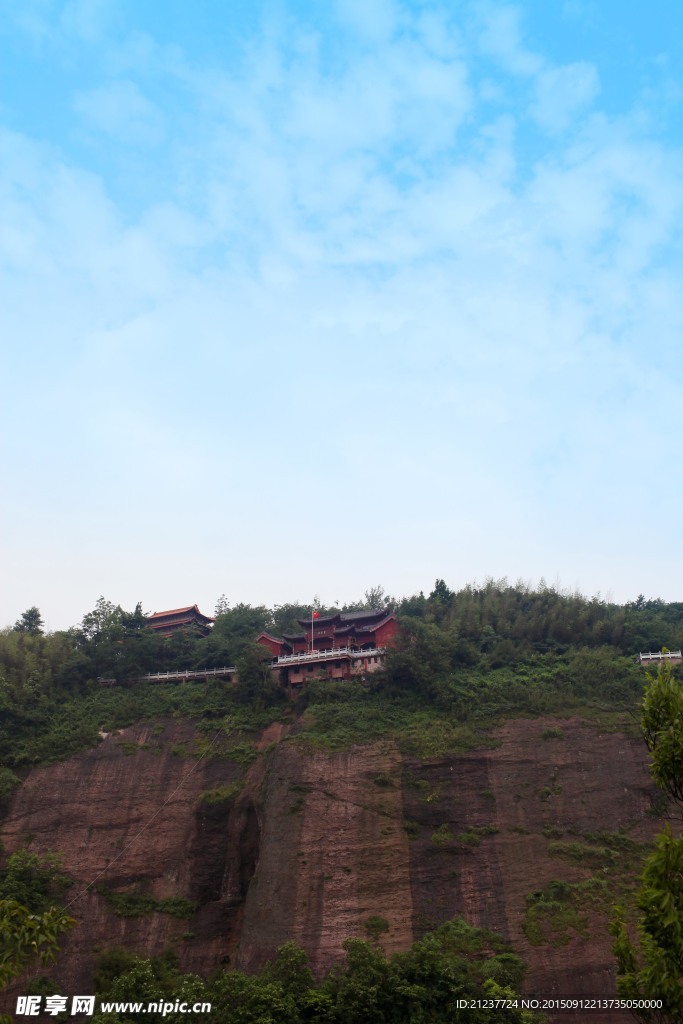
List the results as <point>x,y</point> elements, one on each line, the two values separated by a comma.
<point>552,912</point>
<point>221,794</point>
<point>442,836</point>
<point>9,783</point>
<point>473,835</point>
<point>34,882</point>
<point>552,832</point>
<point>552,733</point>
<point>594,856</point>
<point>132,904</point>
<point>412,829</point>
<point>376,926</point>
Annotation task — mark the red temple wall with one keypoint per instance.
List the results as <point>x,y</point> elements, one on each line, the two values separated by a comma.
<point>386,633</point>
<point>272,645</point>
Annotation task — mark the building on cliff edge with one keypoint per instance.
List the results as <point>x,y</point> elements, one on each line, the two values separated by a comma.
<point>169,622</point>
<point>346,645</point>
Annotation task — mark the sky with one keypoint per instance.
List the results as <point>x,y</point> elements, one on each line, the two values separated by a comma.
<point>299,298</point>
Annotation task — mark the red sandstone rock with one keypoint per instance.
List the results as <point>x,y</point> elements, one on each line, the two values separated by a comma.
<point>315,844</point>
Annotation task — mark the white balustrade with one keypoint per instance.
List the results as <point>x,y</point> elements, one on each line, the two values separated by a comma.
<point>660,656</point>
<point>327,655</point>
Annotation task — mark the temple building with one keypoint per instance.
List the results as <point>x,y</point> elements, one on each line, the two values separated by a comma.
<point>340,646</point>
<point>190,618</point>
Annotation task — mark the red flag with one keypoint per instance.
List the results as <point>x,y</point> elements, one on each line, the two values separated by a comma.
<point>316,615</point>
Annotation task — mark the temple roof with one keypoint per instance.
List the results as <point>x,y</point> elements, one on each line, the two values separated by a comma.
<point>345,617</point>
<point>321,620</point>
<point>188,610</point>
<point>371,613</point>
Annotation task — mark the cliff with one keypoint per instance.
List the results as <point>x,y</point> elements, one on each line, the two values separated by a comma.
<point>307,845</point>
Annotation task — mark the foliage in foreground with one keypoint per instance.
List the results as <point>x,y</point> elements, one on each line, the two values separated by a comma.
<point>424,984</point>
<point>30,923</point>
<point>652,967</point>
<point>25,936</point>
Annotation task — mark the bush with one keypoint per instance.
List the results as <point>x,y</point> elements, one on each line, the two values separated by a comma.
<point>555,911</point>
<point>442,836</point>
<point>9,783</point>
<point>552,733</point>
<point>34,882</point>
<point>221,794</point>
<point>132,904</point>
<point>376,926</point>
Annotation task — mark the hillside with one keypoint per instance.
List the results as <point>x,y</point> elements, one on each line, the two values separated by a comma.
<point>507,786</point>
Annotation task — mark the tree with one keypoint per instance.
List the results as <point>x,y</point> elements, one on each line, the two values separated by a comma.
<point>424,985</point>
<point>375,598</point>
<point>652,968</point>
<point>34,882</point>
<point>234,630</point>
<point>31,622</point>
<point>441,593</point>
<point>662,724</point>
<point>103,622</point>
<point>420,659</point>
<point>25,936</point>
<point>285,617</point>
<point>101,636</point>
<point>255,680</point>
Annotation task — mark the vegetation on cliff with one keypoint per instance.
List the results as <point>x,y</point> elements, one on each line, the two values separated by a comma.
<point>464,662</point>
<point>465,659</point>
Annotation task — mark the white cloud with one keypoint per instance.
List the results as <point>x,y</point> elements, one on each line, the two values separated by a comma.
<point>56,22</point>
<point>562,92</point>
<point>121,110</point>
<point>87,19</point>
<point>376,21</point>
<point>501,37</point>
<point>363,257</point>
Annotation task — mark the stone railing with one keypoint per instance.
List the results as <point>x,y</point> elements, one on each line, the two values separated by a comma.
<point>660,656</point>
<point>328,655</point>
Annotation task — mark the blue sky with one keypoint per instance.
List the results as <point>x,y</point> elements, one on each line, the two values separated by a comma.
<point>299,298</point>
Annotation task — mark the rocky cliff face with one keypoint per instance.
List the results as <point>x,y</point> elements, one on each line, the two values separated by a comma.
<point>308,845</point>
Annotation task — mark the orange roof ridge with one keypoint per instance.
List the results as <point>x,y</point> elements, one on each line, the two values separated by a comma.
<point>174,611</point>
<point>180,611</point>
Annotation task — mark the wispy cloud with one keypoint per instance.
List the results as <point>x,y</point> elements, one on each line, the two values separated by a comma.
<point>394,267</point>
<point>121,110</point>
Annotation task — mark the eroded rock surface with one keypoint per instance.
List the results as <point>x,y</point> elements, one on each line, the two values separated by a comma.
<point>312,844</point>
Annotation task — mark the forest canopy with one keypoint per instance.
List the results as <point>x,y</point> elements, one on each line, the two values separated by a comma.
<point>481,651</point>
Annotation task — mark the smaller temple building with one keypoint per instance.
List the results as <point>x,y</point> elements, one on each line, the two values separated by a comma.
<point>340,646</point>
<point>189,618</point>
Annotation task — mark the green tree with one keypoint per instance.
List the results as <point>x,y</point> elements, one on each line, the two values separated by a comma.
<point>37,883</point>
<point>376,598</point>
<point>149,981</point>
<point>25,936</point>
<point>234,630</point>
<point>103,622</point>
<point>662,724</point>
<point>420,659</point>
<point>285,617</point>
<point>256,682</point>
<point>423,985</point>
<point>291,970</point>
<point>652,967</point>
<point>31,622</point>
